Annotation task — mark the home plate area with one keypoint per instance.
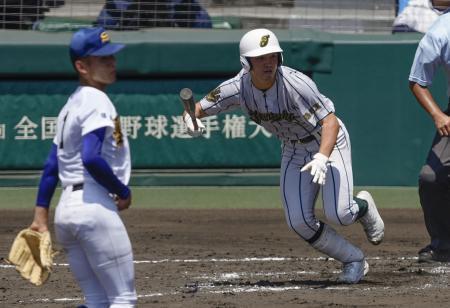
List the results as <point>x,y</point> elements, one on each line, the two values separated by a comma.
<point>245,258</point>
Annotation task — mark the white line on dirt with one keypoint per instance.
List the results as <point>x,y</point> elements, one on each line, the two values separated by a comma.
<point>237,275</point>
<point>247,259</point>
<point>211,288</point>
<point>261,259</point>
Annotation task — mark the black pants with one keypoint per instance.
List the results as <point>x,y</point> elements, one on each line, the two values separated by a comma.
<point>434,192</point>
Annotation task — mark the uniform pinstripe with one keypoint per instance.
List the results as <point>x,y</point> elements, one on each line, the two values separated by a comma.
<point>316,149</point>
<point>291,110</point>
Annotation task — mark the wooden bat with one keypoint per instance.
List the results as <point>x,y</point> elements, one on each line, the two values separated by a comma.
<point>187,98</point>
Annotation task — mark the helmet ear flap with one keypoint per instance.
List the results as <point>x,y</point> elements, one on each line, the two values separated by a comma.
<point>280,59</point>
<point>245,63</point>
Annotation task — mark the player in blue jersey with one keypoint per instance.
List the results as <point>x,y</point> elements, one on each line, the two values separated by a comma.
<point>91,158</point>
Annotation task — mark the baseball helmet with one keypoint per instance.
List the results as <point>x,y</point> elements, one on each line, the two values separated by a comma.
<point>256,43</point>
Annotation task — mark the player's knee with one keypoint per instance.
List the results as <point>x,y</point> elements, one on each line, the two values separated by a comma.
<point>305,229</point>
<point>296,226</point>
<point>427,175</point>
<point>342,216</point>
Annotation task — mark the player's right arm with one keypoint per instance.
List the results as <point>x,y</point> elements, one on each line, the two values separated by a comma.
<point>199,113</point>
<point>426,62</point>
<point>426,100</point>
<point>223,98</point>
<point>47,186</point>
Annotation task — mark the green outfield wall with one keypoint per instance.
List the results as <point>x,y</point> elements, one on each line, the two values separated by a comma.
<point>365,76</point>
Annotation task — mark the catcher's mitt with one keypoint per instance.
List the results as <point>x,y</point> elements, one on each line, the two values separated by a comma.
<point>32,254</point>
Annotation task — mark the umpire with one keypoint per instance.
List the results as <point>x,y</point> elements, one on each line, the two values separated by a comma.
<point>434,179</point>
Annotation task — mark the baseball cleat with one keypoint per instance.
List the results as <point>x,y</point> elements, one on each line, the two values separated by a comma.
<point>353,272</point>
<point>372,223</point>
<point>430,255</point>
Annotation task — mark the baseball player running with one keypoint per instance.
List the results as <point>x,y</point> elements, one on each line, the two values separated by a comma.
<point>91,157</point>
<point>434,180</point>
<point>315,148</point>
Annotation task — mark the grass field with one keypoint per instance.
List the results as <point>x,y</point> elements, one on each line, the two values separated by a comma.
<point>213,197</point>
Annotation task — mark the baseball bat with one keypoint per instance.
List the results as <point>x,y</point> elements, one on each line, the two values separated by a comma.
<point>187,98</point>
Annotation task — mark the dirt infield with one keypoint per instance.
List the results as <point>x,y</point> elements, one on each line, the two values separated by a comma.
<point>244,258</point>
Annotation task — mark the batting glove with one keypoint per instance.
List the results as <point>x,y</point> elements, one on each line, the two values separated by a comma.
<point>190,126</point>
<point>318,168</point>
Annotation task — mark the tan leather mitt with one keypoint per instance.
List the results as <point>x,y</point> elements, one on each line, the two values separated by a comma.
<point>32,254</point>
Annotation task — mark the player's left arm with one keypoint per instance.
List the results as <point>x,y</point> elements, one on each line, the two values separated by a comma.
<point>318,166</point>
<point>330,129</point>
<point>100,170</point>
<point>47,186</point>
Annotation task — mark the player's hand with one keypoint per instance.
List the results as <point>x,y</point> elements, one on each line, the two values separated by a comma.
<point>190,126</point>
<point>443,124</point>
<point>40,221</point>
<point>318,168</point>
<point>123,204</point>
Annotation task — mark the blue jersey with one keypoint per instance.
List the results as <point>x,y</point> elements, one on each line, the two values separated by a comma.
<point>433,51</point>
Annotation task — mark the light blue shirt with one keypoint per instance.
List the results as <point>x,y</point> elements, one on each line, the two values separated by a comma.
<point>401,5</point>
<point>433,51</point>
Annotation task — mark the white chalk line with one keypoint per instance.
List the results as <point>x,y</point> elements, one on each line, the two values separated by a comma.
<point>210,287</point>
<point>237,275</point>
<point>247,259</point>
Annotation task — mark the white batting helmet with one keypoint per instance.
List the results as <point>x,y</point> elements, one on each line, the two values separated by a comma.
<point>256,43</point>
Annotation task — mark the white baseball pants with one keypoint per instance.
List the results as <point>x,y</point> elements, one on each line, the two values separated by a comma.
<point>299,194</point>
<point>88,226</point>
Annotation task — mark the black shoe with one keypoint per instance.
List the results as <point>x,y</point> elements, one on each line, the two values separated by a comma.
<point>430,255</point>
<point>426,255</point>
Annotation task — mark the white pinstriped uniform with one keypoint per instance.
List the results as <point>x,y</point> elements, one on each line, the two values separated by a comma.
<point>291,110</point>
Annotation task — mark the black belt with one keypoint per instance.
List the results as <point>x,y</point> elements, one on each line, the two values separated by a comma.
<point>304,140</point>
<point>78,186</point>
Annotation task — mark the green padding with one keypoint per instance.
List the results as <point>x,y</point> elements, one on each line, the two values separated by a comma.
<point>158,177</point>
<point>174,51</point>
<point>152,123</point>
<point>389,131</point>
<point>365,76</point>
<point>199,178</point>
<point>156,52</point>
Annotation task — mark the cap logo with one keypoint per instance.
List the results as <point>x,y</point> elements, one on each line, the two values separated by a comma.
<point>264,40</point>
<point>104,37</point>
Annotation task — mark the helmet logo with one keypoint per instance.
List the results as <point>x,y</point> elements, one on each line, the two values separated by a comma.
<point>104,37</point>
<point>264,40</point>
